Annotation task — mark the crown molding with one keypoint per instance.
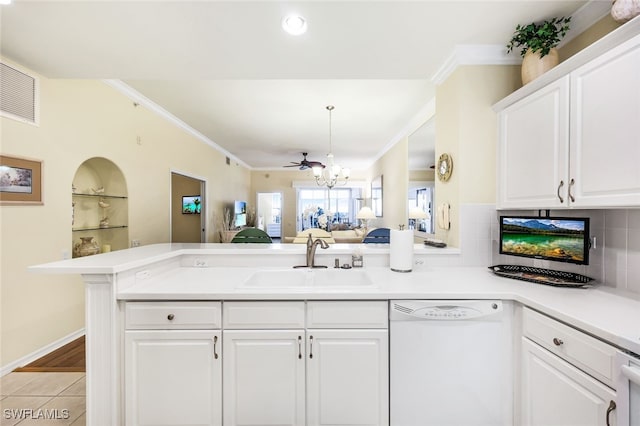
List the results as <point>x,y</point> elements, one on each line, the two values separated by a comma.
<point>474,54</point>
<point>585,17</point>
<point>496,54</point>
<point>139,98</point>
<point>426,112</point>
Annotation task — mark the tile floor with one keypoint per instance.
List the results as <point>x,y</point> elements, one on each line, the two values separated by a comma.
<point>42,399</point>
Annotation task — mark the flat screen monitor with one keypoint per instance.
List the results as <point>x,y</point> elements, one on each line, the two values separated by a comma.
<point>191,204</point>
<point>241,220</point>
<point>240,213</point>
<point>239,207</point>
<point>561,239</point>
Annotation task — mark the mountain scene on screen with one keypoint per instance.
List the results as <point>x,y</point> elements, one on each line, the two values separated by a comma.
<point>553,239</point>
<point>546,226</point>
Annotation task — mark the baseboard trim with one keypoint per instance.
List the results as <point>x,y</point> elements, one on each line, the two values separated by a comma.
<point>6,369</point>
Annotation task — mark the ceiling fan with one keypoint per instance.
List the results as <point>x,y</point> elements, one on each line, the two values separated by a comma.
<point>305,164</point>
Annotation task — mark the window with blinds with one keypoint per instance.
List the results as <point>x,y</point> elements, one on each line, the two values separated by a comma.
<point>18,95</point>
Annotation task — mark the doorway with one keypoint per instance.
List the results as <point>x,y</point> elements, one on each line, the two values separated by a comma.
<point>187,209</point>
<point>269,214</point>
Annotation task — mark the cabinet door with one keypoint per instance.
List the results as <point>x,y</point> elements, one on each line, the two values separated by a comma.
<point>556,393</point>
<point>533,149</point>
<point>605,129</point>
<point>173,378</point>
<point>263,377</point>
<point>347,377</point>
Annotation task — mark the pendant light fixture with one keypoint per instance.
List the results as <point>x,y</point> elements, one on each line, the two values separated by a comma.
<point>330,176</point>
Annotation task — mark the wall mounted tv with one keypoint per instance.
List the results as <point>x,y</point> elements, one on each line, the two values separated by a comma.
<point>562,239</point>
<point>191,204</point>
<point>240,213</point>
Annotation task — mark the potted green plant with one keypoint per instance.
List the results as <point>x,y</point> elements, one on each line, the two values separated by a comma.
<point>538,42</point>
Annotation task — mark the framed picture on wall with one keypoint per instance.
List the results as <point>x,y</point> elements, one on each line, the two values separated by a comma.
<point>376,196</point>
<point>20,181</point>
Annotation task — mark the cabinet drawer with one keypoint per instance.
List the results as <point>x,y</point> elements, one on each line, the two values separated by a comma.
<point>173,315</point>
<point>585,352</point>
<point>262,315</point>
<point>328,314</point>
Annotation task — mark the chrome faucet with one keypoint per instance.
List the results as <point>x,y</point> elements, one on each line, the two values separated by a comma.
<point>311,252</point>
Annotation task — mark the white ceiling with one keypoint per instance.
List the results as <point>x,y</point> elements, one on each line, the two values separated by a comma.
<point>228,70</point>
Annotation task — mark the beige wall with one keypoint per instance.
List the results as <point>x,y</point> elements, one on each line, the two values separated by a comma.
<point>185,228</point>
<point>79,120</point>
<point>467,131</point>
<point>422,175</point>
<point>393,166</point>
<point>593,33</point>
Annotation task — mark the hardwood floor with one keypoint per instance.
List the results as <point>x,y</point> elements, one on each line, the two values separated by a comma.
<point>69,358</point>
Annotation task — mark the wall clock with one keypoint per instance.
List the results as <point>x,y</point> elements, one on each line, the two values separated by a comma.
<point>444,167</point>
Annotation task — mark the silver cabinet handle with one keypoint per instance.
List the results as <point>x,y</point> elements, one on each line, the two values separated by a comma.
<point>310,347</point>
<point>612,406</point>
<point>558,192</point>
<point>170,317</point>
<point>299,347</point>
<point>215,343</point>
<point>557,341</point>
<point>571,183</point>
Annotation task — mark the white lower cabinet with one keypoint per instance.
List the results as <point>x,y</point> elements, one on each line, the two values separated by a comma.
<point>557,393</point>
<point>264,377</point>
<point>172,364</point>
<point>558,386</point>
<point>334,375</point>
<point>173,377</point>
<point>285,363</point>
<point>347,377</point>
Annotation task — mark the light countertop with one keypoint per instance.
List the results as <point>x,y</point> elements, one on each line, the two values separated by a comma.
<point>599,311</point>
<point>123,260</point>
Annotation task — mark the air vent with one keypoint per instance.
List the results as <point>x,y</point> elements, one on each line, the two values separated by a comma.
<point>401,308</point>
<point>18,95</point>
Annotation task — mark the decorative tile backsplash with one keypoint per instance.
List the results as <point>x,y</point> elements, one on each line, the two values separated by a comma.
<point>614,261</point>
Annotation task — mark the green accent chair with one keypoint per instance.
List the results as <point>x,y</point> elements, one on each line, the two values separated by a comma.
<point>252,235</point>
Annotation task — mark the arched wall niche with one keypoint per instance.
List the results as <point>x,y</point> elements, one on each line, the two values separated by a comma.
<point>99,207</point>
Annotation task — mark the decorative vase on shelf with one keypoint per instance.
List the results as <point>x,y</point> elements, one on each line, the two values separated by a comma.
<point>86,247</point>
<point>533,66</point>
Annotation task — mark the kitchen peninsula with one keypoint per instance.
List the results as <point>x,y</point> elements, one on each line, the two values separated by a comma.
<point>157,287</point>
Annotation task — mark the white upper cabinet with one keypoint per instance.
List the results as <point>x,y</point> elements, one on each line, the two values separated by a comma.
<point>575,142</point>
<point>605,129</point>
<point>533,149</point>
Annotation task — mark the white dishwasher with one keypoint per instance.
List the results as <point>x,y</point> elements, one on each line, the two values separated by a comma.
<point>450,363</point>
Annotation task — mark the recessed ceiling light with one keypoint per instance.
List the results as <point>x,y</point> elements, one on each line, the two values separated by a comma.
<point>294,24</point>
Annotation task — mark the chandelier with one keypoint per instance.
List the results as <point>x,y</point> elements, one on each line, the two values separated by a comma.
<point>329,176</point>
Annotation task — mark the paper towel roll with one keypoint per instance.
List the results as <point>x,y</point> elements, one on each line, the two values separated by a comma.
<point>401,250</point>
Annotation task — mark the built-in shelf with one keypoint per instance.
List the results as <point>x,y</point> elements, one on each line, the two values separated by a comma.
<point>98,228</point>
<point>99,196</point>
<point>102,217</point>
